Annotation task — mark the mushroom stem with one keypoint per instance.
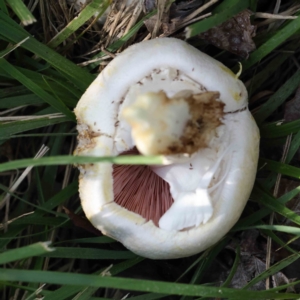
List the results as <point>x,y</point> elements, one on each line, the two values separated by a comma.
<point>182,124</point>
<point>157,122</point>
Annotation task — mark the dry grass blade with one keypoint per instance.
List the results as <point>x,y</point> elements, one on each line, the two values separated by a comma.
<point>273,16</point>
<point>23,118</point>
<point>6,200</point>
<point>3,226</point>
<point>199,11</point>
<point>276,188</point>
<point>96,6</point>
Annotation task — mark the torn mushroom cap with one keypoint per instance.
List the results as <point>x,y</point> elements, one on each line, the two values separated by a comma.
<point>210,196</point>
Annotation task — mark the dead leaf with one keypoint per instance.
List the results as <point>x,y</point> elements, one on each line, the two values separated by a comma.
<point>148,5</point>
<point>165,26</point>
<point>292,108</point>
<point>82,222</point>
<point>249,267</point>
<point>252,261</point>
<point>280,279</point>
<point>173,19</point>
<point>6,151</point>
<point>234,35</point>
<point>183,9</point>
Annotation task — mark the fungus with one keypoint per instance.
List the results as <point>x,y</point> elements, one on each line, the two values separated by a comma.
<point>165,97</point>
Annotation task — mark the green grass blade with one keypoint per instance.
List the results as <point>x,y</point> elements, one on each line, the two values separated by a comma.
<point>226,10</point>
<point>273,270</point>
<point>122,266</point>
<point>271,67</point>
<point>11,128</point>
<point>278,98</point>
<point>233,268</point>
<point>26,288</point>
<point>85,294</point>
<point>285,286</point>
<point>280,228</point>
<point>36,220</point>
<point>294,147</point>
<point>149,297</point>
<point>53,202</point>
<point>137,285</point>
<point>280,168</point>
<point>276,130</point>
<point>89,253</point>
<point>272,203</point>
<point>11,102</point>
<point>32,86</point>
<point>263,212</point>
<point>89,291</point>
<point>21,10</point>
<point>205,261</point>
<point>56,145</point>
<point>10,48</point>
<point>277,39</point>
<point>93,240</point>
<point>289,195</point>
<point>25,252</point>
<point>66,160</point>
<point>30,217</point>
<point>67,291</point>
<point>5,238</point>
<point>12,31</point>
<point>278,241</point>
<point>120,42</point>
<point>17,90</point>
<point>42,135</point>
<point>60,197</point>
<point>96,6</point>
<point>54,83</point>
<point>69,88</point>
<point>3,7</point>
<point>253,5</point>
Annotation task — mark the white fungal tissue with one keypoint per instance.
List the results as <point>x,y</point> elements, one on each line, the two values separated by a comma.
<point>164,97</point>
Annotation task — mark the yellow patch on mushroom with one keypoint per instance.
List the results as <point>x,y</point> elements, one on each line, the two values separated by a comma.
<point>236,96</point>
<point>228,71</point>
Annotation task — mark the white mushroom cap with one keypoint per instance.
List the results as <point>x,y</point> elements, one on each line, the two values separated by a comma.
<point>228,162</point>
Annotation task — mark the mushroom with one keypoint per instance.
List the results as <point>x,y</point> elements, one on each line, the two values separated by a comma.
<point>165,97</point>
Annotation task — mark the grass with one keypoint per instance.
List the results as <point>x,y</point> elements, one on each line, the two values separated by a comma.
<point>48,57</point>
